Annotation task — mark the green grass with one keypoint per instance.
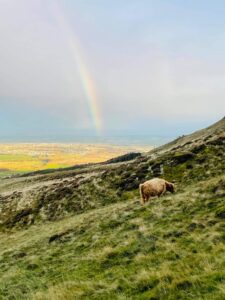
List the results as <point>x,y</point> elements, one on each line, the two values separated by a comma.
<point>15,157</point>
<point>172,248</point>
<point>82,233</point>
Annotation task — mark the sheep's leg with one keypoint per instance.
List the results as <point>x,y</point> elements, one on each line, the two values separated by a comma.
<point>142,200</point>
<point>163,192</point>
<point>147,198</point>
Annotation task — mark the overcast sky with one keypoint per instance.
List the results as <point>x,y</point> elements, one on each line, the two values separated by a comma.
<point>158,67</point>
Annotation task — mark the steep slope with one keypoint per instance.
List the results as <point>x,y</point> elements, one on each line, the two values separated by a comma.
<point>103,244</point>
<point>51,196</point>
<point>200,136</point>
<point>172,248</point>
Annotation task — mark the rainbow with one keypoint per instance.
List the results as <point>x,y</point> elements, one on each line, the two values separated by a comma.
<point>88,83</point>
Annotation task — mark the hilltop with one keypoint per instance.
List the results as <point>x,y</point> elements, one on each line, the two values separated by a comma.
<point>81,232</point>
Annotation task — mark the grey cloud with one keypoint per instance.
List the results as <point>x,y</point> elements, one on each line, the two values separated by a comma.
<point>135,78</point>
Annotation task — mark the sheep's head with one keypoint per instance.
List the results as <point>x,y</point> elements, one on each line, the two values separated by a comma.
<point>170,187</point>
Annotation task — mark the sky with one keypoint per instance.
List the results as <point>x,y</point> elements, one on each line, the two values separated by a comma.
<point>110,68</point>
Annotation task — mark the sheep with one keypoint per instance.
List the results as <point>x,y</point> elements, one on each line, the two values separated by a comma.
<point>154,187</point>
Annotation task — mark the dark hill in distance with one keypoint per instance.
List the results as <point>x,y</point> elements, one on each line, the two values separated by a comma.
<point>81,233</point>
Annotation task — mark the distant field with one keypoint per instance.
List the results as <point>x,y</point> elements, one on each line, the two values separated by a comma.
<point>17,158</point>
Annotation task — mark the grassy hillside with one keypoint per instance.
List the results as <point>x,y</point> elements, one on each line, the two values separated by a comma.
<point>82,233</point>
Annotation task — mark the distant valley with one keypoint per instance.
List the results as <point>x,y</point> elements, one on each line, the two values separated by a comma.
<point>27,157</point>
